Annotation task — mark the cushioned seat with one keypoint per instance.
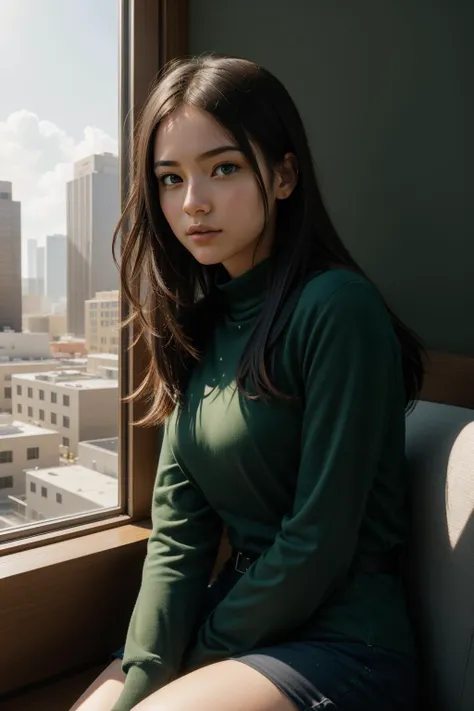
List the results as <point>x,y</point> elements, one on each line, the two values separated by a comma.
<point>440,573</point>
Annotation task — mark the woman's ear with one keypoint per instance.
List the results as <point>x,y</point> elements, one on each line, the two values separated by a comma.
<point>286,177</point>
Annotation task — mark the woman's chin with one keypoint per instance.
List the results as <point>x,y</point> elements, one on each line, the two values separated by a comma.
<point>208,257</point>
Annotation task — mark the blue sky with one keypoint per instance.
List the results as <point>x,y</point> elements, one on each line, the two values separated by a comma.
<point>59,99</point>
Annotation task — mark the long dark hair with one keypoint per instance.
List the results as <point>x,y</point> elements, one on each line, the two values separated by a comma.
<point>179,304</point>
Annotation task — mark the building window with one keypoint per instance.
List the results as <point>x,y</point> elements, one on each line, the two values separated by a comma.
<point>8,393</point>
<point>30,392</point>
<point>59,498</point>
<point>6,482</point>
<point>6,457</point>
<point>65,441</point>
<point>8,378</point>
<point>32,453</point>
<point>44,492</point>
<point>30,412</point>
<point>41,394</point>
<point>32,487</point>
<point>18,389</point>
<point>66,400</point>
<point>66,422</point>
<point>41,415</point>
<point>19,409</point>
<point>54,418</point>
<point>54,398</point>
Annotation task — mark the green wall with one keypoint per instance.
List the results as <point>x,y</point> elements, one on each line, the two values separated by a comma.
<point>386,91</point>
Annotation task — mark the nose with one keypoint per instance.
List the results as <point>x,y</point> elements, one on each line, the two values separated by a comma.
<point>196,201</point>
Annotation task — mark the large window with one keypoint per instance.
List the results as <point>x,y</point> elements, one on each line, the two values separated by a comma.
<point>63,63</point>
<point>59,172</point>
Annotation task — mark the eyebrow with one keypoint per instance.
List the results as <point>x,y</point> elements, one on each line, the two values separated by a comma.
<point>208,154</point>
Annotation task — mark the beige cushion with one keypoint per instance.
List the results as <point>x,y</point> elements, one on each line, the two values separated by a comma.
<point>440,451</point>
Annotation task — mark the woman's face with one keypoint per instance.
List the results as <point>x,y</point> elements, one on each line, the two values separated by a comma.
<point>206,183</point>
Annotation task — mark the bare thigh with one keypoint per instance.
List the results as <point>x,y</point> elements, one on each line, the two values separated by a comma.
<point>102,694</point>
<point>225,686</point>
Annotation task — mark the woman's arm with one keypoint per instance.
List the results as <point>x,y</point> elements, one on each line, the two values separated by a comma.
<point>348,360</point>
<point>181,552</point>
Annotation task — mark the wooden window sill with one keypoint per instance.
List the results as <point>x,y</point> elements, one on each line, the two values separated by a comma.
<point>67,604</point>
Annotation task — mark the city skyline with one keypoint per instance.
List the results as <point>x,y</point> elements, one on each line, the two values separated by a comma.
<point>59,198</point>
<point>44,130</point>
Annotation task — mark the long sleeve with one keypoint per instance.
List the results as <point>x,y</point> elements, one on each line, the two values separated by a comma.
<point>347,356</point>
<point>180,556</point>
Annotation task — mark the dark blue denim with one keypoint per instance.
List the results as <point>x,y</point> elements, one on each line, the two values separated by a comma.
<point>343,675</point>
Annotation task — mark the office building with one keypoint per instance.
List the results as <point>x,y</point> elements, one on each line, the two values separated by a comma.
<point>23,445</point>
<point>80,406</point>
<point>66,490</point>
<point>31,246</point>
<point>92,215</point>
<point>40,269</point>
<point>101,455</point>
<point>53,324</point>
<point>10,259</point>
<point>56,268</point>
<point>101,322</point>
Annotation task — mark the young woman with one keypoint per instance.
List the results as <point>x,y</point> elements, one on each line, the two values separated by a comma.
<point>282,380</point>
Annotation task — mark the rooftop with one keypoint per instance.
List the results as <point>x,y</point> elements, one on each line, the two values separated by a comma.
<point>104,356</point>
<point>98,488</point>
<point>110,444</point>
<point>22,429</point>
<point>57,362</point>
<point>78,381</point>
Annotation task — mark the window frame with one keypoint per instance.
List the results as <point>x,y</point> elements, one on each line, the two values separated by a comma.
<point>95,553</point>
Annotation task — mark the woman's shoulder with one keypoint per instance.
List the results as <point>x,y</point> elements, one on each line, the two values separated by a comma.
<point>339,291</point>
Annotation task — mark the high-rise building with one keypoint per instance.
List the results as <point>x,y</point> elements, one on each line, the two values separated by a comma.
<point>10,259</point>
<point>40,275</point>
<point>92,214</point>
<point>56,267</point>
<point>31,246</point>
<point>101,320</point>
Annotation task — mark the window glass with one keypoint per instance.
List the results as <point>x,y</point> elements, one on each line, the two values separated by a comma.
<point>59,206</point>
<point>32,453</point>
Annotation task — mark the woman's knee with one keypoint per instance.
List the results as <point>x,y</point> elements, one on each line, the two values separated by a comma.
<point>104,691</point>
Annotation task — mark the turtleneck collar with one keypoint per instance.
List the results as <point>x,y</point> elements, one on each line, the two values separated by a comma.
<point>243,296</point>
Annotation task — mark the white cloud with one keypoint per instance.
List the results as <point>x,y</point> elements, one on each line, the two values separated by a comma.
<point>37,157</point>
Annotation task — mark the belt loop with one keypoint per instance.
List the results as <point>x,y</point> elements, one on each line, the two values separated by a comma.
<point>238,560</point>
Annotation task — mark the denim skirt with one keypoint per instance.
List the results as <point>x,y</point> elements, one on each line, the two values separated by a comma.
<point>346,675</point>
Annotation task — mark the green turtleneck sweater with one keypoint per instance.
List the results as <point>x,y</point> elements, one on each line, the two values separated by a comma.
<point>306,483</point>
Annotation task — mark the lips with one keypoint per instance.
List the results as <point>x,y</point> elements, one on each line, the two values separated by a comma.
<point>200,229</point>
<point>203,236</point>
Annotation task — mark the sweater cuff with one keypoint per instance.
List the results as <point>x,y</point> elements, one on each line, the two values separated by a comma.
<point>140,682</point>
